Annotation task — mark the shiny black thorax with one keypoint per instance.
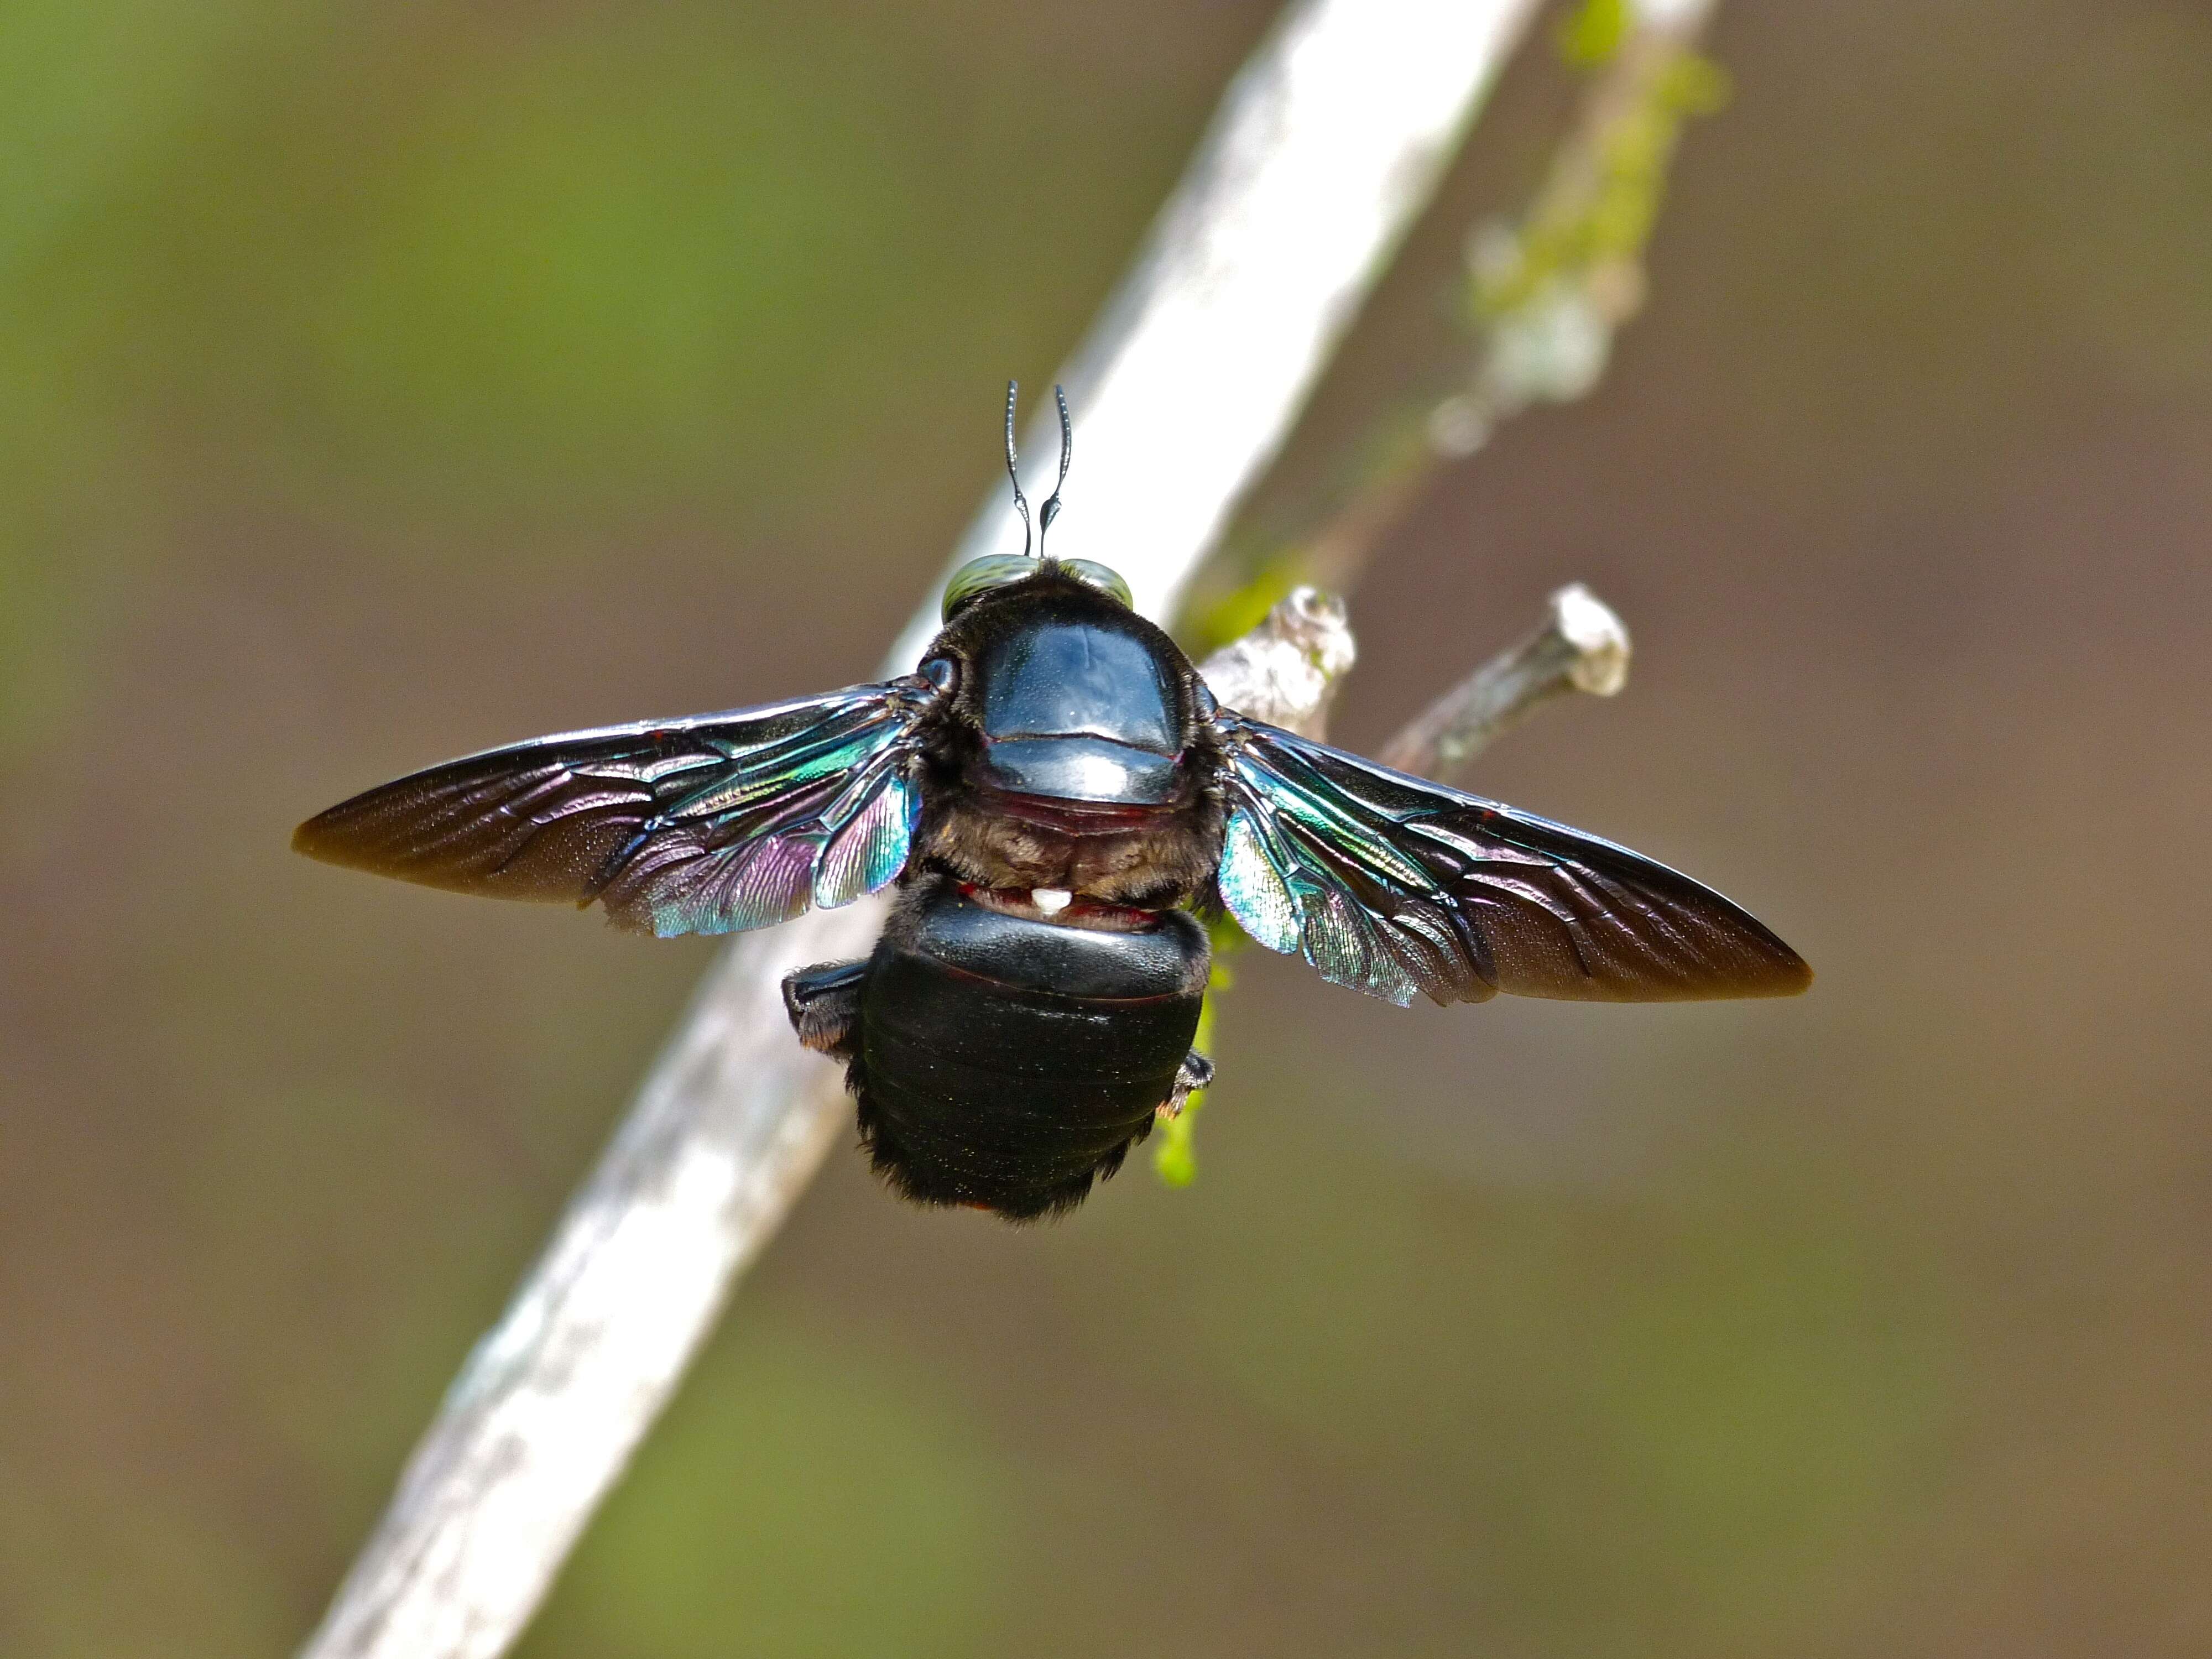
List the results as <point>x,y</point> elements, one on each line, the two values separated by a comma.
<point>1074,753</point>
<point>1004,1056</point>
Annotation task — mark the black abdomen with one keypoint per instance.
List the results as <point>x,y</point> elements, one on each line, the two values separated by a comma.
<point>1006,1062</point>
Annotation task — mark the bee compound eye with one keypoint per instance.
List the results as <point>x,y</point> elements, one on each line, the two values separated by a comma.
<point>943,672</point>
<point>1101,577</point>
<point>979,576</point>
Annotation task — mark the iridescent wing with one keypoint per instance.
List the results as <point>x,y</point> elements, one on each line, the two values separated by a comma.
<point>705,825</point>
<point>1393,885</point>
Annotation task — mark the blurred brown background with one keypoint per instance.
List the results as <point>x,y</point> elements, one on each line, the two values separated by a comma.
<point>381,383</point>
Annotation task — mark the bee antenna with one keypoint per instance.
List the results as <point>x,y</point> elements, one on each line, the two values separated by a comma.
<point>1021,501</point>
<point>1050,510</point>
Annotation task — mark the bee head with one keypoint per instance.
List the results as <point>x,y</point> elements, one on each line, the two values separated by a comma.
<point>996,570</point>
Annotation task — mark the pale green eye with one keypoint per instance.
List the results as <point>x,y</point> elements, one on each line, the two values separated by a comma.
<point>1108,582</point>
<point>980,576</point>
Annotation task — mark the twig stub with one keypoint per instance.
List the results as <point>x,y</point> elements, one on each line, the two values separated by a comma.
<point>1583,645</point>
<point>1286,671</point>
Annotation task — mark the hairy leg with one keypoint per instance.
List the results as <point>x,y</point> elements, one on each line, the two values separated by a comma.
<point>824,1002</point>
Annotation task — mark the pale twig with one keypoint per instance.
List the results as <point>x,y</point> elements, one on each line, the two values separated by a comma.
<point>1325,145</point>
<point>1582,646</point>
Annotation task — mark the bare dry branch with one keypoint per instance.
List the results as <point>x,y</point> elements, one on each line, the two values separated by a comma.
<point>1582,646</point>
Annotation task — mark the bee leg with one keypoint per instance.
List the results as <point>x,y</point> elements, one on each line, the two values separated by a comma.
<point>1196,1073</point>
<point>824,1002</point>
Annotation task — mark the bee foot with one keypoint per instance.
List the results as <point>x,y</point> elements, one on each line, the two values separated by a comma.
<point>1196,1073</point>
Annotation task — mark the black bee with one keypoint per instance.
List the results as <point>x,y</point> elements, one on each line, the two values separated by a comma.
<point>1054,792</point>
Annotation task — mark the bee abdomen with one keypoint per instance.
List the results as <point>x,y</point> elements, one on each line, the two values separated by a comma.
<point>1008,1063</point>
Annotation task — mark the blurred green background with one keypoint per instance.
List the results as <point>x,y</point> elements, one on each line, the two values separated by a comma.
<point>378,383</point>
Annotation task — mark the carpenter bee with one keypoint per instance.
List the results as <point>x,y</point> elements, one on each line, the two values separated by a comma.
<point>1052,792</point>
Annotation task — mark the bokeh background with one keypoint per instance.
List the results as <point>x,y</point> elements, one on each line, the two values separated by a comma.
<point>378,383</point>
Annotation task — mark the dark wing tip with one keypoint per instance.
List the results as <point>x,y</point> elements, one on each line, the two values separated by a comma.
<point>1778,971</point>
<point>1791,976</point>
<point>1696,946</point>
<point>1748,958</point>
<point>323,838</point>
<point>366,831</point>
